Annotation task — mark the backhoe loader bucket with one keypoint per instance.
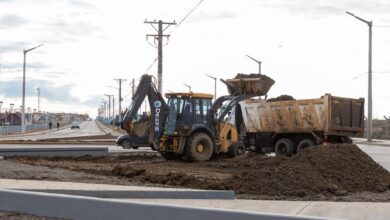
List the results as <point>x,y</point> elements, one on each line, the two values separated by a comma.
<point>251,84</point>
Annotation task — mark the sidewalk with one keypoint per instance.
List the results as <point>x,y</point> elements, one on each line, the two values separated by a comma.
<point>377,142</point>
<point>338,210</point>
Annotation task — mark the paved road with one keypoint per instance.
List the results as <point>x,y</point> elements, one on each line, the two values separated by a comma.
<point>87,128</point>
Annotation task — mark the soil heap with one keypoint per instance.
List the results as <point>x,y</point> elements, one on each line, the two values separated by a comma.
<point>281,98</point>
<point>331,170</point>
<point>328,170</point>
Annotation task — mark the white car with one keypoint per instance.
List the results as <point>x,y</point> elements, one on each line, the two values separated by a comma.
<point>75,125</point>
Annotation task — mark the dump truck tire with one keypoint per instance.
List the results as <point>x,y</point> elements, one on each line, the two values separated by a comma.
<point>284,147</point>
<point>236,149</point>
<point>126,144</point>
<point>199,147</point>
<point>305,143</point>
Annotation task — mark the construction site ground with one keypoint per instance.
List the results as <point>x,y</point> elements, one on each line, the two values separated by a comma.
<point>324,173</point>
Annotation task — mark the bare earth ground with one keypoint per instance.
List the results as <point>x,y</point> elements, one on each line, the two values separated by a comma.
<point>335,173</point>
<point>5,215</point>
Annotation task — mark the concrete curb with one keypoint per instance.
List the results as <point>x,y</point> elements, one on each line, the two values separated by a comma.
<point>102,127</point>
<point>51,152</point>
<point>77,207</point>
<point>143,194</point>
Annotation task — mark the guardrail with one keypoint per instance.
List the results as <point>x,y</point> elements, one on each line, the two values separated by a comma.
<point>9,129</point>
<point>17,128</point>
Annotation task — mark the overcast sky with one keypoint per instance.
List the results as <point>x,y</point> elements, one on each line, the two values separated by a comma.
<point>309,47</point>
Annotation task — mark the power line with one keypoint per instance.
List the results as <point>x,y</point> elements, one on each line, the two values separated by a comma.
<point>382,26</point>
<point>151,65</point>
<point>189,13</point>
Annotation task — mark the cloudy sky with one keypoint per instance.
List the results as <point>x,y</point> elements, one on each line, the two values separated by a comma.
<point>309,47</point>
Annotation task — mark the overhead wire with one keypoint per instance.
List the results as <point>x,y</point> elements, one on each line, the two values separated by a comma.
<point>186,16</point>
<point>189,13</point>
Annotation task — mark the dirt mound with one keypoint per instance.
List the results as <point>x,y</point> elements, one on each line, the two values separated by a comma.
<point>252,75</point>
<point>327,170</point>
<point>334,170</point>
<point>281,98</point>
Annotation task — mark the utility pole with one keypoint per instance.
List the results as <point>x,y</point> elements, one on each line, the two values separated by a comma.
<point>159,37</point>
<point>120,98</point>
<point>39,99</point>
<point>113,108</point>
<point>369,121</point>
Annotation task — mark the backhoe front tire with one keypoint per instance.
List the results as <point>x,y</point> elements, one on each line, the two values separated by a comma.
<point>199,147</point>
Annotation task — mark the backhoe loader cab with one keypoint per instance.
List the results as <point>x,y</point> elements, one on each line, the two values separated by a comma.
<point>188,127</point>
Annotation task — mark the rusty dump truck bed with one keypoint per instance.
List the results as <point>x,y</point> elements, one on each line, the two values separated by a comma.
<point>328,114</point>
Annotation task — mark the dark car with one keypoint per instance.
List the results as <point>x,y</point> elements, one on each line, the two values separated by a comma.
<point>130,141</point>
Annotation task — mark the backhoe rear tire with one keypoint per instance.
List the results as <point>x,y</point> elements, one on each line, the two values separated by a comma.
<point>236,149</point>
<point>284,147</point>
<point>199,147</point>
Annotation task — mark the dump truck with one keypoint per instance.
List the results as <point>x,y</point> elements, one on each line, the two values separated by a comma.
<point>285,127</point>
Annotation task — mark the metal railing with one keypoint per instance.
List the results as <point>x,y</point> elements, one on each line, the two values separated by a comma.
<point>9,129</point>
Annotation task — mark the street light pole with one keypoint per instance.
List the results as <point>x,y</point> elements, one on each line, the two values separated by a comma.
<point>23,123</point>
<point>109,105</point>
<point>39,97</point>
<point>1,103</point>
<point>257,61</point>
<point>189,87</point>
<point>369,121</point>
<point>215,86</point>
<point>387,126</point>
<point>105,108</point>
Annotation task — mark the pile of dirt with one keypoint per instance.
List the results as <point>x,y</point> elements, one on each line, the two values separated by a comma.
<point>334,170</point>
<point>281,98</point>
<point>325,172</point>
<point>251,75</point>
